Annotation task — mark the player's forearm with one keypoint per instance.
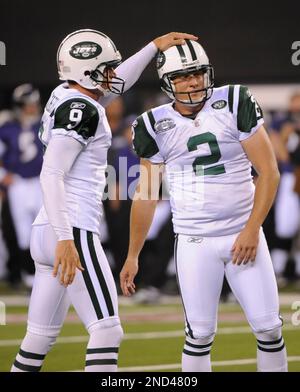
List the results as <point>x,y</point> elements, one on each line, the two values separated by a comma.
<point>142,212</point>
<point>265,192</point>
<point>131,69</point>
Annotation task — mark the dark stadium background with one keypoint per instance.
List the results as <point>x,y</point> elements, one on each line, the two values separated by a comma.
<point>247,41</point>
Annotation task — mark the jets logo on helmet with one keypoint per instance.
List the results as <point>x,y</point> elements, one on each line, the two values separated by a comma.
<point>186,59</point>
<point>85,50</point>
<point>85,57</point>
<point>160,60</point>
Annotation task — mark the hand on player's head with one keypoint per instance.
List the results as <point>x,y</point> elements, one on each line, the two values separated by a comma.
<point>171,39</point>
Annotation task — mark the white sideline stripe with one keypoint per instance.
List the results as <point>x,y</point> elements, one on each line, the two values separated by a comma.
<point>23,300</point>
<point>146,335</point>
<point>171,366</point>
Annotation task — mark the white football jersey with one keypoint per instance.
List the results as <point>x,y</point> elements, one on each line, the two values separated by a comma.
<point>68,112</point>
<point>208,173</point>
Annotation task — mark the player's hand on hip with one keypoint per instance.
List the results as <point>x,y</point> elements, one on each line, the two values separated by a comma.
<point>166,41</point>
<point>66,256</point>
<point>245,246</point>
<point>127,276</point>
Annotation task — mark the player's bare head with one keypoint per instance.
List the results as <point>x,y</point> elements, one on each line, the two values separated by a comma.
<point>185,73</point>
<point>88,57</point>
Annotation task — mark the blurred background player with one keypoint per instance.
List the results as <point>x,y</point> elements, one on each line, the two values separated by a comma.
<point>21,155</point>
<point>285,134</point>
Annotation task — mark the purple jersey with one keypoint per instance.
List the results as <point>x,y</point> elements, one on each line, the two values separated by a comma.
<point>278,121</point>
<point>23,151</point>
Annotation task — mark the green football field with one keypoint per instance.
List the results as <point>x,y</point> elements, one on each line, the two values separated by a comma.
<point>153,339</point>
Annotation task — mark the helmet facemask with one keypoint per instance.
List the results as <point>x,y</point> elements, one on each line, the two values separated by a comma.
<point>168,85</point>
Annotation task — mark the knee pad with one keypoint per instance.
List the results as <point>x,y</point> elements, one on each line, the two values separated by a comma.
<point>270,335</point>
<point>267,331</point>
<point>270,341</point>
<point>37,343</point>
<point>265,323</point>
<point>103,347</point>
<point>198,347</point>
<point>203,330</point>
<point>106,333</point>
<point>32,352</point>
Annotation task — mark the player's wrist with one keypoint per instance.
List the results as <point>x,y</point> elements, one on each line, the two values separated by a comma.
<point>254,227</point>
<point>153,46</point>
<point>133,258</point>
<point>66,240</point>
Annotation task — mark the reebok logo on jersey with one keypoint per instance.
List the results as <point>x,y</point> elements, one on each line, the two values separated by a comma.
<point>164,125</point>
<point>195,240</point>
<point>219,104</point>
<point>77,105</point>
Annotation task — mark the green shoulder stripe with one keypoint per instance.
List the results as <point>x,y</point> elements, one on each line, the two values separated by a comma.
<point>248,112</point>
<point>77,114</point>
<point>151,118</point>
<point>144,144</point>
<point>230,98</point>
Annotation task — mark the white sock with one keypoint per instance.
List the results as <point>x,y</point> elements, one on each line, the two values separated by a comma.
<point>196,354</point>
<point>271,352</point>
<point>103,348</point>
<point>32,353</point>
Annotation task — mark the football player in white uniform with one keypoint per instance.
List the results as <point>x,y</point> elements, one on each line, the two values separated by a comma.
<point>65,233</point>
<point>206,141</point>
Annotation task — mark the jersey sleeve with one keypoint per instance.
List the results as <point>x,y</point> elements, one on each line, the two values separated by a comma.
<point>248,114</point>
<point>143,138</point>
<point>53,186</point>
<point>77,118</point>
<point>131,69</point>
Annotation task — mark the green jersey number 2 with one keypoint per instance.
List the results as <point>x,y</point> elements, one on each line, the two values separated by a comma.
<point>215,156</point>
